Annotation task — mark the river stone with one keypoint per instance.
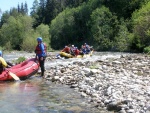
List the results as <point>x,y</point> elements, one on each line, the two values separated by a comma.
<point>123,79</point>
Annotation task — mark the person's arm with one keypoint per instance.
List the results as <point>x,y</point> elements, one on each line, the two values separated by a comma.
<point>36,56</point>
<point>63,50</point>
<point>9,64</point>
<point>42,49</point>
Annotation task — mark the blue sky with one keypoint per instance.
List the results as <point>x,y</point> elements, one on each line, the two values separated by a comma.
<point>8,4</point>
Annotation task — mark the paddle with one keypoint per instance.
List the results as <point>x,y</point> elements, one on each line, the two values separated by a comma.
<point>14,76</point>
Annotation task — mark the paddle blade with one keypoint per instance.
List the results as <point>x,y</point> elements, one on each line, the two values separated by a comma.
<point>14,76</point>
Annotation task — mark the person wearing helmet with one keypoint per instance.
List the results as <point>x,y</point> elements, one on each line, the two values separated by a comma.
<point>1,53</point>
<point>87,47</point>
<point>41,54</point>
<point>76,51</point>
<point>72,48</point>
<point>66,49</point>
<point>83,50</point>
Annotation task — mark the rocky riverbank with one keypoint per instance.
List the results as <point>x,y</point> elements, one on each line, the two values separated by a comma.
<point>116,84</point>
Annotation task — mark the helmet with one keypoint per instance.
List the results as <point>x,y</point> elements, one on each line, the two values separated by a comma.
<point>0,53</point>
<point>39,39</point>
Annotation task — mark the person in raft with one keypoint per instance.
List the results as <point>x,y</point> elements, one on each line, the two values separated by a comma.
<point>76,51</point>
<point>66,49</point>
<point>41,53</point>
<point>3,63</point>
<point>87,47</point>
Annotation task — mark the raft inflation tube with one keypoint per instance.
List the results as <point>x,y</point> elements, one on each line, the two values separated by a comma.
<point>66,55</point>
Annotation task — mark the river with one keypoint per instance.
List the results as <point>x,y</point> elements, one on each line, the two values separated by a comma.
<point>36,95</point>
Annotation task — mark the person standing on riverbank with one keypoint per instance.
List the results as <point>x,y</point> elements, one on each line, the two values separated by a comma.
<point>41,54</point>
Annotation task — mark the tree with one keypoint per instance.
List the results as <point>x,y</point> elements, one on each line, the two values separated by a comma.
<point>43,31</point>
<point>123,39</point>
<point>15,30</point>
<point>4,18</point>
<point>103,24</point>
<point>50,11</point>
<point>41,13</point>
<point>74,3</point>
<point>34,9</point>
<point>141,27</point>
<point>81,27</point>
<point>22,9</point>
<point>26,8</point>
<point>123,8</point>
<point>62,29</point>
<point>14,12</point>
<point>19,10</point>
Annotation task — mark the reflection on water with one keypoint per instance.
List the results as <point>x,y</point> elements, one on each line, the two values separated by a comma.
<point>38,96</point>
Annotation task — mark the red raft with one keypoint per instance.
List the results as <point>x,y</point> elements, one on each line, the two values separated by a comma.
<point>23,70</point>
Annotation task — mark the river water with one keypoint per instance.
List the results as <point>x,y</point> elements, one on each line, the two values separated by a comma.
<point>36,95</point>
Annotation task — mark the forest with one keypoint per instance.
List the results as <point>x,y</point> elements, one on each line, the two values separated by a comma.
<point>107,25</point>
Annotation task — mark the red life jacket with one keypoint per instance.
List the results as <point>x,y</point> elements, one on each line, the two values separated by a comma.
<point>38,50</point>
<point>66,49</point>
<point>76,52</point>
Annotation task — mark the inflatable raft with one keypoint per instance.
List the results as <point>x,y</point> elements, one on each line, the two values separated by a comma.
<point>23,70</point>
<point>67,55</point>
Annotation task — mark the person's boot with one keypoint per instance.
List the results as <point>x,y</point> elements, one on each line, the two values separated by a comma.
<point>42,74</point>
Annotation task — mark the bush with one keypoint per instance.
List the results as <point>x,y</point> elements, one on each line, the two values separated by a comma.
<point>19,60</point>
<point>147,49</point>
<point>29,44</point>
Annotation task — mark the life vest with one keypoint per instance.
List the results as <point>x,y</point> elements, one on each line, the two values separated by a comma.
<point>38,49</point>
<point>66,49</point>
<point>83,49</point>
<point>3,64</point>
<point>76,52</point>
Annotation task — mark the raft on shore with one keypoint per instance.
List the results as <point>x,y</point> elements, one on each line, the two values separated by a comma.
<point>23,70</point>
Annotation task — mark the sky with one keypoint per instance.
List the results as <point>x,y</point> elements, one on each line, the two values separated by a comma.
<point>6,5</point>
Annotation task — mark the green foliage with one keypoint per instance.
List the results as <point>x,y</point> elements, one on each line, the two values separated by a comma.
<point>23,10</point>
<point>43,31</point>
<point>147,49</point>
<point>7,31</point>
<point>103,27</point>
<point>8,46</point>
<point>61,29</point>
<point>17,33</point>
<point>4,18</point>
<point>15,30</point>
<point>81,27</point>
<point>34,9</point>
<point>96,22</point>
<point>74,3</point>
<point>19,60</point>
<point>29,43</point>
<point>123,8</point>
<point>1,48</point>
<point>141,26</point>
<point>123,39</point>
<point>93,4</point>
